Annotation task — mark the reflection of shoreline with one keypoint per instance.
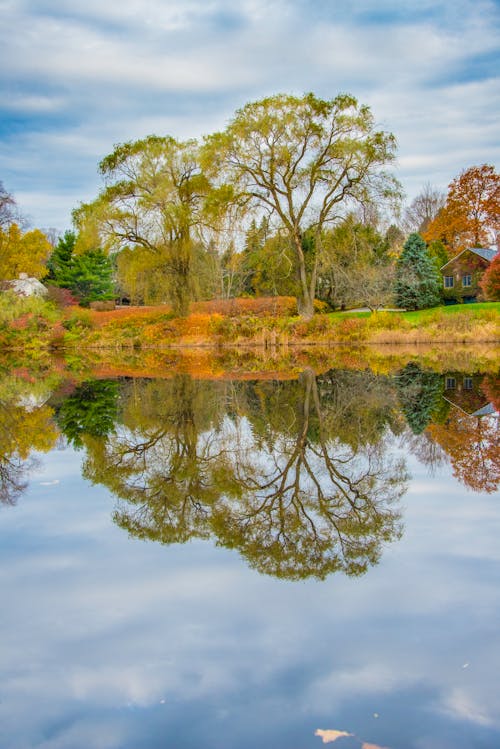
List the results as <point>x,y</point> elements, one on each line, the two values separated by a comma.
<point>448,413</point>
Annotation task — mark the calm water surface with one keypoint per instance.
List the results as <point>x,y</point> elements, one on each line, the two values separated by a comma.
<point>222,564</point>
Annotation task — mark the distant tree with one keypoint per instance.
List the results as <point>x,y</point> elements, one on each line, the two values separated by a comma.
<point>23,253</point>
<point>395,238</point>
<point>300,160</point>
<point>438,253</point>
<point>355,266</point>
<point>424,209</point>
<point>471,214</point>
<point>9,212</point>
<point>490,282</point>
<point>417,284</point>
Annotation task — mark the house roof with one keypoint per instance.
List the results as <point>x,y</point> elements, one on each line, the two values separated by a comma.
<point>486,254</point>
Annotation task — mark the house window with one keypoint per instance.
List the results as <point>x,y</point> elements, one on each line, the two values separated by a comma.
<point>449,282</point>
<point>450,383</point>
<point>467,383</point>
<point>466,280</point>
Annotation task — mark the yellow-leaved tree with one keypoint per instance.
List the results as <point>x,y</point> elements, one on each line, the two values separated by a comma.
<point>23,253</point>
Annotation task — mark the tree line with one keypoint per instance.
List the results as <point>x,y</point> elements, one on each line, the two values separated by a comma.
<point>292,197</point>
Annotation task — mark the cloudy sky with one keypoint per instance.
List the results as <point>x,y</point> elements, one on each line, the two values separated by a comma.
<point>78,76</point>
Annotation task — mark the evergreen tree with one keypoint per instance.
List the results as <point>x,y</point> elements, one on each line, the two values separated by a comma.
<point>90,410</point>
<point>418,282</point>
<point>419,393</point>
<point>88,276</point>
<point>61,258</point>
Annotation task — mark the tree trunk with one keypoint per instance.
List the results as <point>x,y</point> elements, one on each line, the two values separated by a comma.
<point>305,297</point>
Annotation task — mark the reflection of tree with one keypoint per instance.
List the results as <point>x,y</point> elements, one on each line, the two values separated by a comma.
<point>419,394</point>
<point>472,445</point>
<point>270,475</point>
<point>22,430</point>
<point>90,409</point>
<point>312,505</point>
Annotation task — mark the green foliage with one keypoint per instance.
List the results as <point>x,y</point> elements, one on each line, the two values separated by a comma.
<point>152,205</point>
<point>88,276</point>
<point>90,410</point>
<point>14,307</point>
<point>438,253</point>
<point>418,283</point>
<point>355,267</point>
<point>61,258</point>
<point>419,393</point>
<point>300,159</point>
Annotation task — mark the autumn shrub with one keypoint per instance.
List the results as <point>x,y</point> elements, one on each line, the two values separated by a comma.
<point>318,325</point>
<point>243,306</point>
<point>350,329</point>
<point>61,297</point>
<point>102,306</point>
<point>385,321</point>
<point>13,307</point>
<point>490,282</point>
<point>79,319</point>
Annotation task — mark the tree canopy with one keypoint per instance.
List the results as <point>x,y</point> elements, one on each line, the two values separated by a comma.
<point>417,282</point>
<point>302,160</point>
<point>471,214</point>
<point>152,203</point>
<point>23,252</point>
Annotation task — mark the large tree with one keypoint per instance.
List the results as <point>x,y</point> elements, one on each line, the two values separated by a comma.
<point>151,204</point>
<point>471,214</point>
<point>301,160</point>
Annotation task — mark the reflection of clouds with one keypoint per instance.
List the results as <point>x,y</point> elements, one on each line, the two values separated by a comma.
<point>94,622</point>
<point>329,735</point>
<point>462,706</point>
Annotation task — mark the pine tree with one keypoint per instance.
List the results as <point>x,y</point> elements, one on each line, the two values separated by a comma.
<point>418,282</point>
<point>89,277</point>
<point>61,257</point>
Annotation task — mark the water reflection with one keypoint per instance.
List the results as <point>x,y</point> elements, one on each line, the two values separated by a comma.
<point>259,467</point>
<point>300,476</point>
<point>26,425</point>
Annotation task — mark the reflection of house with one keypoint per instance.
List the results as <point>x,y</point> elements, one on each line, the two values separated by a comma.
<point>461,274</point>
<point>464,392</point>
<point>25,286</point>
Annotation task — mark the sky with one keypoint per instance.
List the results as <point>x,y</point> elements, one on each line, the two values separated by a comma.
<point>78,76</point>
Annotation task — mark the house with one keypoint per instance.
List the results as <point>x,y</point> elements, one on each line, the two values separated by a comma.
<point>25,286</point>
<point>465,393</point>
<point>461,274</point>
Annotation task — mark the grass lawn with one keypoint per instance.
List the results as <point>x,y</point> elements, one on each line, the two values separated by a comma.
<point>428,315</point>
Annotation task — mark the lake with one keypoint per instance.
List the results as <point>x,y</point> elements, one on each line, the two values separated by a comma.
<point>283,561</point>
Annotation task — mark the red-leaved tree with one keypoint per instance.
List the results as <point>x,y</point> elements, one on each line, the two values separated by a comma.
<point>490,282</point>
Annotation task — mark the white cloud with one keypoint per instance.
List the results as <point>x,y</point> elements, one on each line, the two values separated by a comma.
<point>93,74</point>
